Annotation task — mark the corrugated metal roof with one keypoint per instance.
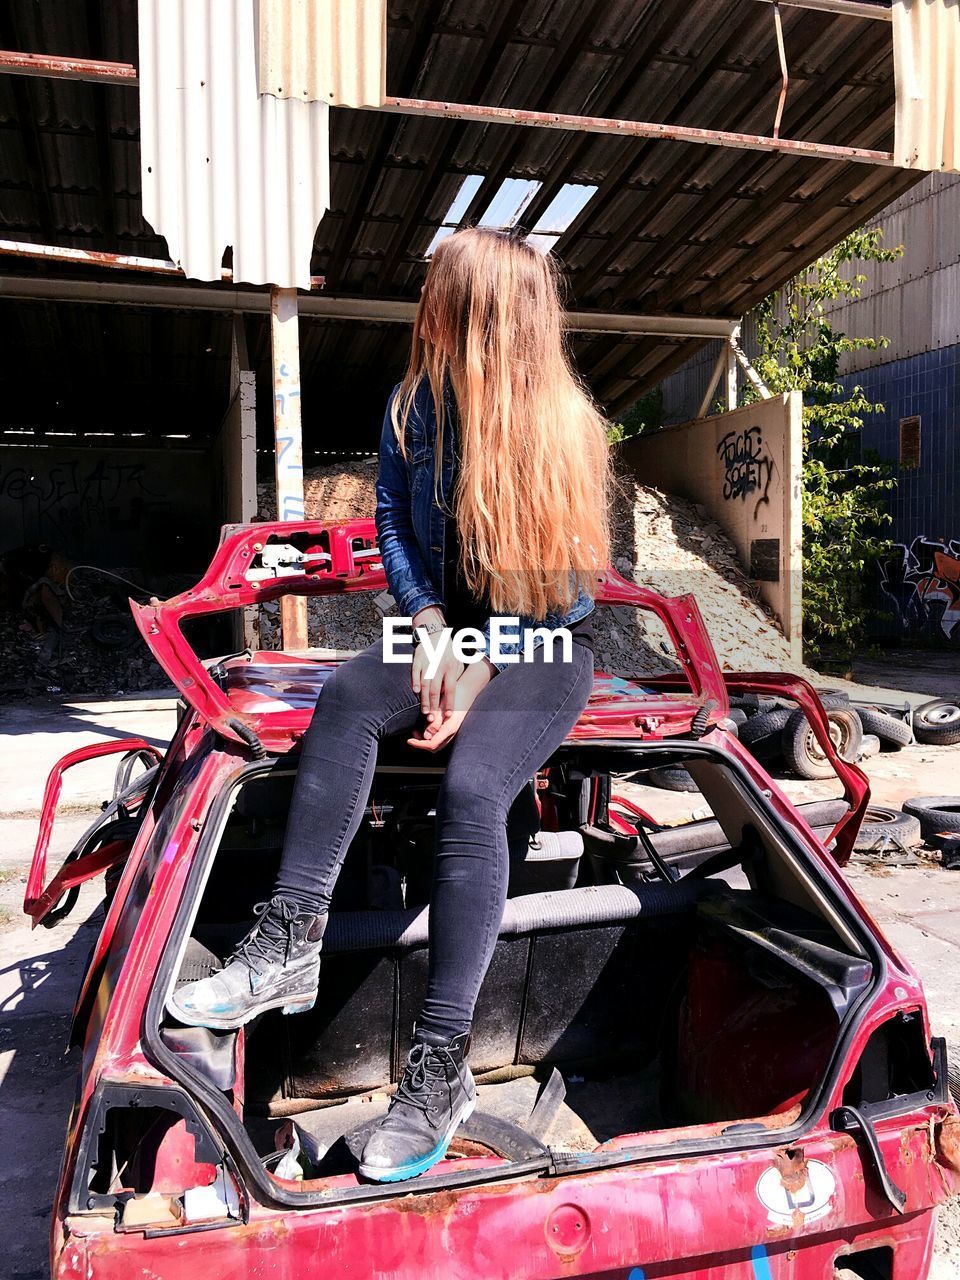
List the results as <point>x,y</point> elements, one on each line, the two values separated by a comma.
<point>672,226</point>
<point>926,56</point>
<point>221,165</point>
<point>332,51</point>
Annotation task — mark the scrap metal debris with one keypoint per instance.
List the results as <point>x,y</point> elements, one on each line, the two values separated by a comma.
<point>69,632</point>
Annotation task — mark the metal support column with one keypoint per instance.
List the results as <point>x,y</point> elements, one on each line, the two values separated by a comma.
<point>288,441</point>
<point>731,378</point>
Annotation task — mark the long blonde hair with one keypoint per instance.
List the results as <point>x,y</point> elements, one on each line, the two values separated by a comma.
<point>534,471</point>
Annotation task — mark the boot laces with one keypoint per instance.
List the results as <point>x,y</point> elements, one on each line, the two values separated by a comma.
<point>269,939</point>
<point>425,1074</point>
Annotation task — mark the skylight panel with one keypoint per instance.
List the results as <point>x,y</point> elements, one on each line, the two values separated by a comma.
<point>560,213</point>
<point>460,204</point>
<point>512,197</point>
<point>461,201</point>
<point>506,208</point>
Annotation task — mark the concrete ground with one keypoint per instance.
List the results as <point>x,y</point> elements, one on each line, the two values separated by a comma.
<point>917,906</point>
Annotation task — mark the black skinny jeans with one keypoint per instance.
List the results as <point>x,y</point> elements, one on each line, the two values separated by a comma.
<point>519,719</point>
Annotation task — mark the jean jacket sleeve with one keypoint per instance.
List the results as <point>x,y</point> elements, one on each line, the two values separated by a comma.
<point>403,563</point>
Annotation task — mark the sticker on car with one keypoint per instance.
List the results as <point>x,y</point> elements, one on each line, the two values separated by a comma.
<point>812,1198</point>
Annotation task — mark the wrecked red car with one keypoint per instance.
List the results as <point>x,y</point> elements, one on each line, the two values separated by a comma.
<point>696,1054</point>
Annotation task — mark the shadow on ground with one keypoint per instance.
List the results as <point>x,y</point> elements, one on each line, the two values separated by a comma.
<point>37,1077</point>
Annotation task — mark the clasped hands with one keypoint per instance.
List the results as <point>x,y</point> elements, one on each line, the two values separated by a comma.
<point>447,695</point>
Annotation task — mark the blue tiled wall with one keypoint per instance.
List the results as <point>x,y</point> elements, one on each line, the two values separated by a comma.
<point>919,591</point>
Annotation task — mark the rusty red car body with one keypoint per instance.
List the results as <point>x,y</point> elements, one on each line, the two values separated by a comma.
<point>686,1203</point>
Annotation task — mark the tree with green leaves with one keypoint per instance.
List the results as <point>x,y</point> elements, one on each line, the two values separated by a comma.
<point>844,508</point>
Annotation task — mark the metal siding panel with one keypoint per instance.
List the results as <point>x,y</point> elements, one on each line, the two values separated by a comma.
<point>926,50</point>
<point>912,301</point>
<point>332,51</point>
<point>220,164</point>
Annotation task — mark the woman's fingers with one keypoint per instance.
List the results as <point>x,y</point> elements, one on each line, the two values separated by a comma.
<point>448,693</point>
<point>433,738</point>
<point>418,669</point>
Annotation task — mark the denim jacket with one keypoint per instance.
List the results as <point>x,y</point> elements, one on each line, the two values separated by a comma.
<point>411,523</point>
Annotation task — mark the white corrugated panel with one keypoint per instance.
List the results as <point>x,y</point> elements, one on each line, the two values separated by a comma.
<point>913,302</point>
<point>324,50</point>
<point>221,165</point>
<point>926,58</point>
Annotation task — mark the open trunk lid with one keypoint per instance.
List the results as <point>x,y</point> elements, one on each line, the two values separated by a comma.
<point>258,563</point>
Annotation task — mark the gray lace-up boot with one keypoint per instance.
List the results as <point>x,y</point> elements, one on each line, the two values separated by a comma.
<point>276,966</point>
<point>434,1096</point>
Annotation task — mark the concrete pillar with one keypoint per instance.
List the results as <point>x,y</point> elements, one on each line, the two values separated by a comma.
<point>288,441</point>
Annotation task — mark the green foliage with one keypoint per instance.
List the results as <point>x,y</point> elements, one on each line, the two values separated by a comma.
<point>645,415</point>
<point>843,494</point>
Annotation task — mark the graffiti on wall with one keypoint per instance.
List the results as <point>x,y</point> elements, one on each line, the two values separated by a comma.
<point>747,468</point>
<point>90,491</point>
<point>922,582</point>
<point>93,504</point>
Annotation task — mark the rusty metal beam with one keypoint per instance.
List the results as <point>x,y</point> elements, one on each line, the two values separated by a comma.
<point>115,261</point>
<point>362,188</point>
<point>690,268</point>
<point>805,110</point>
<point>626,370</point>
<point>686,86</point>
<point>475,114</point>
<point>56,68</point>
<point>481,70</point>
<point>805,216</point>
<point>510,145</point>
<point>734,100</point>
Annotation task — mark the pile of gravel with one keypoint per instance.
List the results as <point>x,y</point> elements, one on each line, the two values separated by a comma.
<point>660,541</point>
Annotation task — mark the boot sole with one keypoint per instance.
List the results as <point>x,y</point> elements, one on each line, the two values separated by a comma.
<point>284,1003</point>
<point>403,1172</point>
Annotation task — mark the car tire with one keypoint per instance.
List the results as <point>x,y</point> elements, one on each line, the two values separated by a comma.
<point>936,813</point>
<point>803,753</point>
<point>756,703</point>
<point>953,1067</point>
<point>671,779</point>
<point>748,702</point>
<point>885,825</point>
<point>738,716</point>
<point>937,723</point>
<point>833,699</point>
<point>891,731</point>
<point>762,732</point>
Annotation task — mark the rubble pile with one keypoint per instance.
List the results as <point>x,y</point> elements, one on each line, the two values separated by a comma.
<point>659,541</point>
<point>336,623</point>
<point>96,651</point>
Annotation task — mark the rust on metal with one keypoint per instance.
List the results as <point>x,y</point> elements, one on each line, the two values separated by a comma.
<point>784,72</point>
<point>57,68</point>
<point>629,129</point>
<point>948,1143</point>
<point>791,1164</point>
<point>841,8</point>
<point>113,261</point>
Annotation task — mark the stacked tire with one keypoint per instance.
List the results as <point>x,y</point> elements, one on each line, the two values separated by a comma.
<point>777,730</point>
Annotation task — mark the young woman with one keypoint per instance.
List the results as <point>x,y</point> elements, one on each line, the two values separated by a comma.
<point>491,503</point>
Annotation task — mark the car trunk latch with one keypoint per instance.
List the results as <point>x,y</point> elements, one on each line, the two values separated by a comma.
<point>848,1119</point>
